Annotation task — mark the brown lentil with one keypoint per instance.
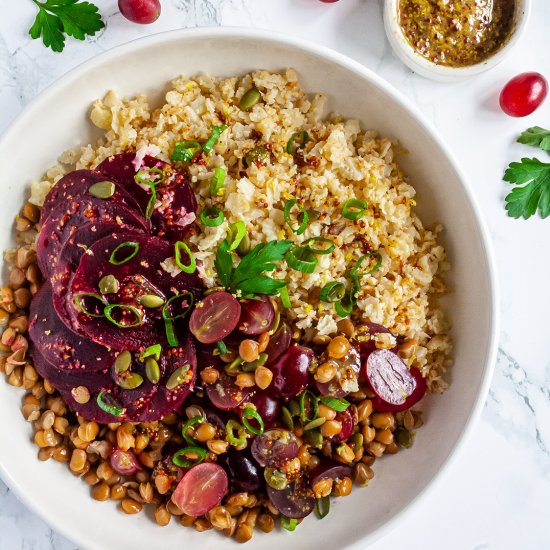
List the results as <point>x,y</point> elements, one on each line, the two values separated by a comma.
<point>243,533</point>
<point>331,428</point>
<point>31,212</point>
<point>162,516</point>
<point>263,340</point>
<point>61,454</point>
<point>186,520</point>
<point>118,491</point>
<point>326,412</point>
<point>345,326</point>
<point>376,449</point>
<point>220,518</point>
<point>266,523</point>
<point>249,350</point>
<point>245,380</point>
<point>343,487</point>
<point>382,421</point>
<point>345,453</point>
<point>362,474</point>
<point>210,375</point>
<point>323,487</point>
<point>78,460</point>
<point>325,372</point>
<point>130,506</point>
<point>101,491</point>
<point>263,377</point>
<point>202,525</point>
<point>384,436</point>
<point>205,432</point>
<point>91,478</point>
<point>364,410</point>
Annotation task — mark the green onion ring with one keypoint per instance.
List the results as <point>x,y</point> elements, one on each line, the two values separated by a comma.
<point>230,428</point>
<point>285,298</point>
<point>165,309</point>
<point>125,307</point>
<point>333,292</point>
<point>128,244</point>
<point>192,265</point>
<point>354,209</point>
<point>212,217</point>
<point>376,255</point>
<point>185,150</point>
<point>170,333</point>
<point>298,140</point>
<point>140,176</point>
<point>289,205</point>
<point>78,301</point>
<point>335,403</point>
<point>288,523</point>
<point>236,234</point>
<point>214,136</point>
<point>189,424</point>
<point>149,211</point>
<point>300,259</point>
<point>113,409</point>
<point>188,463</point>
<point>314,401</point>
<point>217,181</point>
<point>222,348</point>
<point>249,412</point>
<point>345,306</point>
<point>307,245</point>
<point>322,507</point>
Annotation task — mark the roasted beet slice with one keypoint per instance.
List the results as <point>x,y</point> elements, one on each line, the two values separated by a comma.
<point>65,219</point>
<point>77,184</point>
<point>142,274</point>
<point>69,259</point>
<point>176,202</point>
<point>60,346</point>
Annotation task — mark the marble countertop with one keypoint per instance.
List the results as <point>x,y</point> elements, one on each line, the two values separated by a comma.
<point>497,496</point>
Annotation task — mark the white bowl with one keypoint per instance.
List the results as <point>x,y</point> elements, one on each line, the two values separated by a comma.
<point>57,120</point>
<point>422,66</point>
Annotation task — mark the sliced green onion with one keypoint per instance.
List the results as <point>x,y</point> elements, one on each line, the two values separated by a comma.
<point>345,306</point>
<point>333,292</point>
<point>217,181</point>
<point>289,205</point>
<point>189,424</point>
<point>149,211</point>
<point>377,264</point>
<point>308,245</point>
<point>185,150</point>
<point>145,176</point>
<point>236,234</point>
<point>166,315</point>
<point>313,404</point>
<point>124,307</point>
<point>170,333</point>
<point>298,140</point>
<point>354,209</point>
<point>288,523</point>
<point>192,265</point>
<point>152,351</point>
<point>335,403</point>
<point>112,408</point>
<point>187,462</point>
<point>134,249</point>
<point>79,302</point>
<point>212,217</point>
<point>322,507</point>
<point>231,427</point>
<point>258,155</point>
<point>285,298</point>
<point>222,348</point>
<point>300,259</point>
<point>249,412</point>
<point>214,136</point>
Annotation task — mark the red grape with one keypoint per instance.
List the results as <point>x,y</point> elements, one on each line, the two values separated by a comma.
<point>418,393</point>
<point>291,371</point>
<point>256,315</point>
<point>140,11</point>
<point>523,94</point>
<point>125,463</point>
<point>201,488</point>
<point>215,317</point>
<point>346,419</point>
<point>243,473</point>
<point>296,501</point>
<point>329,468</point>
<point>278,343</point>
<point>274,448</point>
<point>267,406</point>
<point>225,394</point>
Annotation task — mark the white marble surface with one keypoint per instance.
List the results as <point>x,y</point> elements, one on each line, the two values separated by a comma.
<point>497,496</point>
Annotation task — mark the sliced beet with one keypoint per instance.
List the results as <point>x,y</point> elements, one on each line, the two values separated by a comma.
<point>141,275</point>
<point>176,201</point>
<point>76,185</point>
<point>60,346</point>
<point>66,218</point>
<point>296,501</point>
<point>69,258</point>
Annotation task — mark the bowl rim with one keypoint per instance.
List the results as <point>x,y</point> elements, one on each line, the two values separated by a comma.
<point>257,34</point>
<point>422,66</point>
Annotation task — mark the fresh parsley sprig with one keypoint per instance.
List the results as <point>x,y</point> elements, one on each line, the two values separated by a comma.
<point>537,137</point>
<point>247,278</point>
<point>57,18</point>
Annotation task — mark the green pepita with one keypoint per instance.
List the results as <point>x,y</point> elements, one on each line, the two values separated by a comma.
<point>315,423</point>
<point>253,365</point>
<point>178,377</point>
<point>151,301</point>
<point>249,99</point>
<point>286,417</point>
<point>152,370</point>
<point>275,479</point>
<point>357,441</point>
<point>294,407</point>
<point>102,189</point>
<point>314,438</point>
<point>123,362</point>
<point>130,382</point>
<point>109,285</point>
<point>404,438</point>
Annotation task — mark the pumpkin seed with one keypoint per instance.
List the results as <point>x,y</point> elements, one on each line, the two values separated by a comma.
<point>123,362</point>
<point>357,441</point>
<point>275,479</point>
<point>130,382</point>
<point>315,423</point>
<point>294,407</point>
<point>102,189</point>
<point>178,377</point>
<point>249,99</point>
<point>287,419</point>
<point>314,438</point>
<point>151,301</point>
<point>109,285</point>
<point>152,370</point>
<point>81,394</point>
<point>244,246</point>
<point>404,438</point>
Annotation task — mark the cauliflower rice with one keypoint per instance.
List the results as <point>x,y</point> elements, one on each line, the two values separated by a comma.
<point>350,162</point>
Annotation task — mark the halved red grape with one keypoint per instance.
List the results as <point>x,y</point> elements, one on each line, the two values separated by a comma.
<point>347,373</point>
<point>329,469</point>
<point>267,406</point>
<point>296,501</point>
<point>124,463</point>
<point>366,347</point>
<point>278,343</point>
<point>291,371</point>
<point>346,419</point>
<point>243,473</point>
<point>417,394</point>
<point>256,315</point>
<point>274,448</point>
<point>523,94</point>
<point>389,377</point>
<point>225,394</point>
<point>140,11</point>
<point>215,317</point>
<point>200,489</point>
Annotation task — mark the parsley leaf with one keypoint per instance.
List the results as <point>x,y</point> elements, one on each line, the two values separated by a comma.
<point>537,137</point>
<point>525,201</point>
<point>57,18</point>
<point>224,264</point>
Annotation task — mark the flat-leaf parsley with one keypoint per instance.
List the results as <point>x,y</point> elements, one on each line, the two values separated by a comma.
<point>537,137</point>
<point>57,18</point>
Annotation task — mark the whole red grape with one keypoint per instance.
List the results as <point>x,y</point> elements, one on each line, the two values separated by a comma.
<point>523,94</point>
<point>140,11</point>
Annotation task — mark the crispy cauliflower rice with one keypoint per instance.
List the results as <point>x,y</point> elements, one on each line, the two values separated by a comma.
<point>181,373</point>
